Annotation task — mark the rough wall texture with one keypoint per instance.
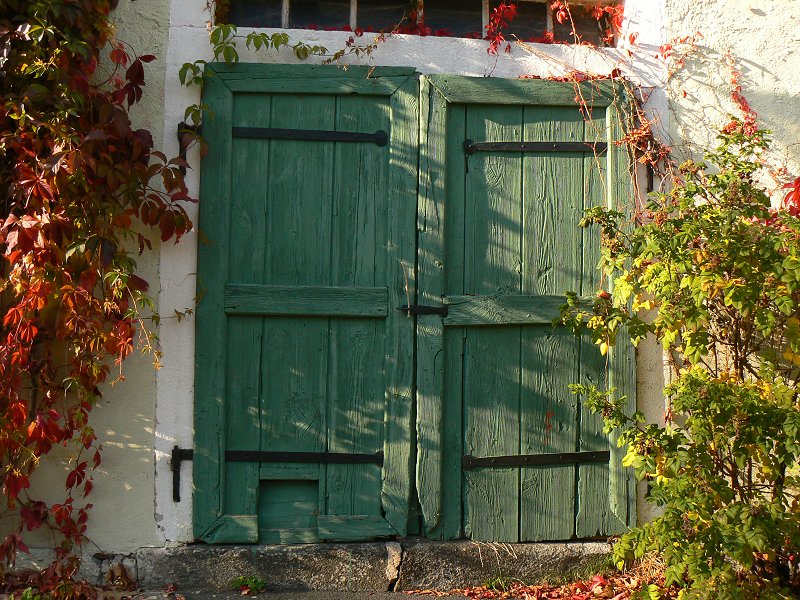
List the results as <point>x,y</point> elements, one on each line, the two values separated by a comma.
<point>764,38</point>
<point>150,412</point>
<point>123,517</point>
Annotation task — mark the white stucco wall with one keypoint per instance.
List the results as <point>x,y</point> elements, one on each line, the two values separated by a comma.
<point>764,38</point>
<point>142,418</point>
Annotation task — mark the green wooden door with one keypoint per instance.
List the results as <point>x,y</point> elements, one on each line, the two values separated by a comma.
<point>307,220</point>
<point>505,451</point>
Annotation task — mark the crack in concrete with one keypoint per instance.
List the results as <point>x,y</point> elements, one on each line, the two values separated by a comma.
<point>394,563</point>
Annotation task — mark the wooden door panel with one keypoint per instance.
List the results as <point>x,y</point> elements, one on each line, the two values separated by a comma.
<point>504,370</point>
<point>305,293</point>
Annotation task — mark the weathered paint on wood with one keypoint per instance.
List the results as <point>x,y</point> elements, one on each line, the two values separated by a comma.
<point>356,381</point>
<point>352,528</point>
<point>500,250</point>
<point>400,260</point>
<point>622,370</point>
<point>507,309</point>
<point>242,419</point>
<point>430,332</point>
<point>491,378</point>
<point>302,369</point>
<point>316,358</point>
<point>209,421</point>
<point>288,512</point>
<point>307,300</point>
<point>553,263</point>
<point>232,529</point>
<point>487,90</point>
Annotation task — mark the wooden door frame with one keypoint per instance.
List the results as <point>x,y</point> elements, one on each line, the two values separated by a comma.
<point>438,477</point>
<point>211,523</point>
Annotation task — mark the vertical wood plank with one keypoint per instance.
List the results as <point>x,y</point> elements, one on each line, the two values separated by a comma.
<point>553,199</point>
<point>356,387</point>
<point>209,414</point>
<point>492,376</point>
<point>398,363</point>
<point>622,357</point>
<point>294,366</point>
<point>593,516</point>
<point>430,332</point>
<point>248,200</point>
<point>452,395</point>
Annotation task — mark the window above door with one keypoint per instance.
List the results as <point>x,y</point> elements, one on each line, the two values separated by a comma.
<point>535,19</point>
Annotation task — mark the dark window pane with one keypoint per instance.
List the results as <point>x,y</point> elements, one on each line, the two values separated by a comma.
<point>461,18</point>
<point>587,27</point>
<point>530,22</point>
<point>320,14</point>
<point>381,14</point>
<point>255,13</point>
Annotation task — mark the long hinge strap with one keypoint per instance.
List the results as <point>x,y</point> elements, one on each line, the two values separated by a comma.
<point>471,147</point>
<point>528,460</point>
<point>379,138</point>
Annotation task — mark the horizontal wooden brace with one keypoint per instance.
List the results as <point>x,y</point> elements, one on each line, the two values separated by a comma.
<point>469,462</point>
<point>379,138</point>
<point>328,458</point>
<point>306,301</point>
<point>471,147</point>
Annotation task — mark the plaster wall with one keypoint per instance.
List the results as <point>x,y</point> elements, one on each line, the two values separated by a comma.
<point>143,417</point>
<point>764,38</point>
<point>123,516</point>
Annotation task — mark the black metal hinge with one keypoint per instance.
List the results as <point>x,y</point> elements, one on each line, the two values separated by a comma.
<point>471,147</point>
<point>185,129</point>
<point>178,456</point>
<point>422,309</point>
<point>267,456</point>
<point>379,138</point>
<point>527,460</point>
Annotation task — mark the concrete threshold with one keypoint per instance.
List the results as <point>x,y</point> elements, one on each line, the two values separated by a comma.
<point>358,567</point>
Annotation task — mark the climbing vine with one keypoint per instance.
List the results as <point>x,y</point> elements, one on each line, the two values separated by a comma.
<point>77,178</point>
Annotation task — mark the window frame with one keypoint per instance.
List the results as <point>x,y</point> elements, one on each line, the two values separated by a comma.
<point>485,12</point>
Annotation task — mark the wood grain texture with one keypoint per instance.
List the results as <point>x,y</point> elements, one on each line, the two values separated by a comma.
<point>622,375</point>
<point>593,516</point>
<point>232,529</point>
<point>553,263</point>
<point>209,414</point>
<point>506,309</point>
<point>244,344</point>
<point>430,287</point>
<point>352,528</point>
<point>492,265</point>
<point>294,366</point>
<point>319,301</point>
<point>400,260</point>
<point>356,381</point>
<point>488,90</point>
<point>288,512</point>
<point>452,394</point>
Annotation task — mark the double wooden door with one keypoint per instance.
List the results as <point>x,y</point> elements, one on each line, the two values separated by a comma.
<point>375,351</point>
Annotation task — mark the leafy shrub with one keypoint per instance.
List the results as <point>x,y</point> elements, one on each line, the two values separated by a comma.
<point>714,275</point>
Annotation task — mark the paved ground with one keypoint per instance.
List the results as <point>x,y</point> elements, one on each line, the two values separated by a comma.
<point>301,596</point>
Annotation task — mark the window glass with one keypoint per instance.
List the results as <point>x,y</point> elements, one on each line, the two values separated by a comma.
<point>320,14</point>
<point>587,27</point>
<point>255,13</point>
<point>380,15</point>
<point>460,18</point>
<point>530,22</point>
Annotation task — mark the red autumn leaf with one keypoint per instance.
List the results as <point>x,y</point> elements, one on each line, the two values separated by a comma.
<point>792,200</point>
<point>119,56</point>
